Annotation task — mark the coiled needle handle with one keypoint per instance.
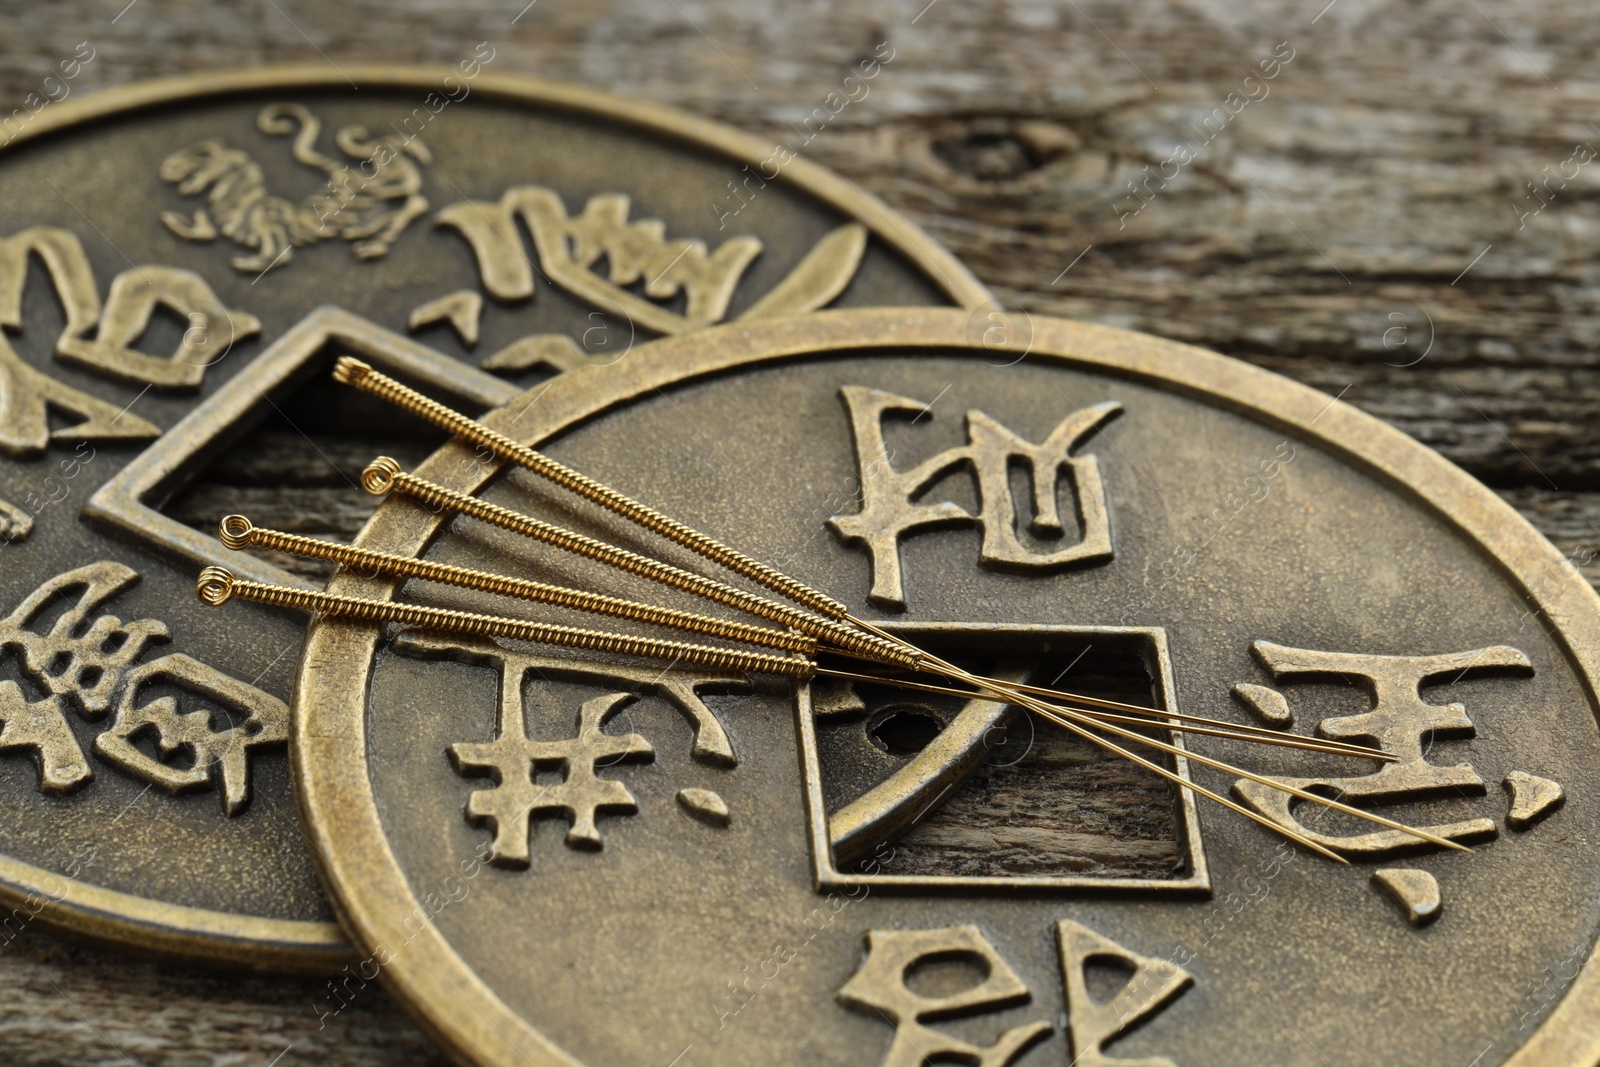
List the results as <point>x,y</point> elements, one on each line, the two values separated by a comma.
<point>383,475</point>
<point>217,585</point>
<point>353,372</point>
<point>238,532</point>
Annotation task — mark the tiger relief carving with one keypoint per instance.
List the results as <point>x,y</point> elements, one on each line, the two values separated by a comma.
<point>368,201</point>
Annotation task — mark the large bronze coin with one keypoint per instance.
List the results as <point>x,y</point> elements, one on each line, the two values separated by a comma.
<point>179,263</point>
<point>559,858</point>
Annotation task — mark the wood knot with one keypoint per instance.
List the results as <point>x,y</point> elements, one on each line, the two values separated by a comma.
<point>1002,150</point>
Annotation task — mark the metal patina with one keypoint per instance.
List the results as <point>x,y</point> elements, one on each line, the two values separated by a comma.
<point>557,857</point>
<point>180,262</point>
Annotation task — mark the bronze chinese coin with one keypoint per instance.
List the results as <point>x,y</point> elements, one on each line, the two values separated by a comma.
<point>179,264</point>
<point>560,856</point>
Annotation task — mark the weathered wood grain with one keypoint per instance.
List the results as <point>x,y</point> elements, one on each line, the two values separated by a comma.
<point>1331,231</point>
<point>66,1005</point>
<point>1066,808</point>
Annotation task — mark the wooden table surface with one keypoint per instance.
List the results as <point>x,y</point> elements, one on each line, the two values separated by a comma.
<point>1366,227</point>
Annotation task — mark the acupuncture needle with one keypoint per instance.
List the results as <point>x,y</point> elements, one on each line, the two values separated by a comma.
<point>895,651</point>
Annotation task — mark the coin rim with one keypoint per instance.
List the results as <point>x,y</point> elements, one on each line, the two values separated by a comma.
<point>366,882</point>
<point>183,933</point>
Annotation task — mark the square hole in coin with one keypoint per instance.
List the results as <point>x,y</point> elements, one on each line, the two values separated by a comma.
<point>912,789</point>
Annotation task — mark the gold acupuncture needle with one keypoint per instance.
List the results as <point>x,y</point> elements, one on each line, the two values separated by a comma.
<point>1310,744</point>
<point>217,585</point>
<point>1019,695</point>
<point>1066,721</point>
<point>1134,709</point>
<point>1034,704</point>
<point>935,665</point>
<point>892,650</point>
<point>351,371</point>
<point>238,532</point>
<point>383,475</point>
<point>1057,714</point>
<point>1096,718</point>
<point>1135,714</point>
<point>846,632</point>
<point>362,376</point>
<point>1171,776</point>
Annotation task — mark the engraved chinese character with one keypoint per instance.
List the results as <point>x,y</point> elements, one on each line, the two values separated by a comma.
<point>213,754</point>
<point>635,252</point>
<point>637,255</point>
<point>15,523</point>
<point>1400,723</point>
<point>89,662</point>
<point>73,659</point>
<point>892,508</point>
<point>1092,1024</point>
<point>76,657</point>
<point>27,395</point>
<point>515,760</point>
<point>40,728</point>
<point>879,988</point>
<point>579,794</point>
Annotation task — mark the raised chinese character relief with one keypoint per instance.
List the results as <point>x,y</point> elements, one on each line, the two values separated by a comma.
<point>1400,723</point>
<point>976,980</point>
<point>368,199</point>
<point>879,988</point>
<point>84,659</point>
<point>893,508</point>
<point>101,338</point>
<point>1092,1023</point>
<point>645,271</point>
<point>570,773</point>
<point>1416,892</point>
<point>515,760</point>
<point>214,755</point>
<point>52,489</point>
<point>461,309</point>
<point>1532,799</point>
